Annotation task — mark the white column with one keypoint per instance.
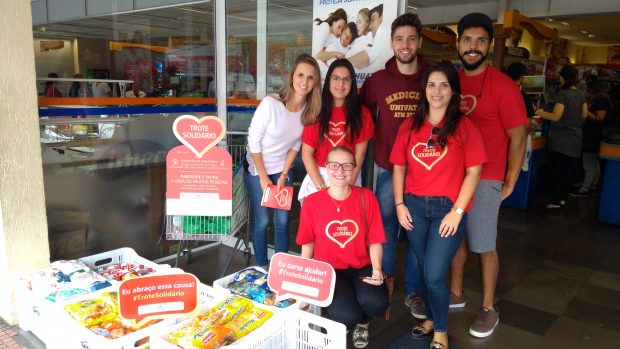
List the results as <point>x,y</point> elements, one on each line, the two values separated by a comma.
<point>220,59</point>
<point>23,226</point>
<point>261,48</point>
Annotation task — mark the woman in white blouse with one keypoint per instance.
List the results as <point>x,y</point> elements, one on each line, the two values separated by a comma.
<point>273,143</point>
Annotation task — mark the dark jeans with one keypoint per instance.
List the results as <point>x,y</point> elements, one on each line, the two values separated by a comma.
<point>385,196</point>
<point>356,302</point>
<point>560,164</point>
<point>433,252</point>
<point>260,219</point>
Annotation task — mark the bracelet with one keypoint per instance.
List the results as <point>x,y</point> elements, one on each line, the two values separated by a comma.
<point>320,186</point>
<point>400,203</point>
<point>284,174</point>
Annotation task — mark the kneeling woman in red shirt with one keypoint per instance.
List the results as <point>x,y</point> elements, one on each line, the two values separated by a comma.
<point>341,225</point>
<point>437,157</point>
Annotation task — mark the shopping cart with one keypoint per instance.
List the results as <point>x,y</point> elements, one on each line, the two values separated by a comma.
<point>222,229</point>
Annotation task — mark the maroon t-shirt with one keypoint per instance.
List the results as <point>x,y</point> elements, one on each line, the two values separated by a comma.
<point>393,97</point>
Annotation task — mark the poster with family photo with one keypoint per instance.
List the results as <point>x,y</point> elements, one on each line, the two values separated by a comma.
<point>358,30</point>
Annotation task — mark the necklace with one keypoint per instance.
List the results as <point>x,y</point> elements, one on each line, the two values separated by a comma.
<point>338,203</point>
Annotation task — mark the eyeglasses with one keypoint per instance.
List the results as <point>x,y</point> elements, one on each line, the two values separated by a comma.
<point>432,139</point>
<point>346,79</point>
<point>334,166</point>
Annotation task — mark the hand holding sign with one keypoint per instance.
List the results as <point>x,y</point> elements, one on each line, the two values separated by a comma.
<point>301,278</point>
<point>277,197</point>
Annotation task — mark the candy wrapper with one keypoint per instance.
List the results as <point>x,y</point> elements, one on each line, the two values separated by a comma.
<point>248,321</point>
<point>252,284</point>
<point>90,312</point>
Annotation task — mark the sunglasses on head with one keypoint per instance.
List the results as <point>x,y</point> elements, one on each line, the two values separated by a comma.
<point>432,138</point>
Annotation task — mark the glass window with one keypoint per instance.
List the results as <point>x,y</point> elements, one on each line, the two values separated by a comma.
<point>104,165</point>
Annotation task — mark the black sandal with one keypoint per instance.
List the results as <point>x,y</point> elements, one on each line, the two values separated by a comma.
<point>419,332</point>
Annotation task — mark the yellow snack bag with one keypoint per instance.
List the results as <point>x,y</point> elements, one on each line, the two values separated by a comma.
<point>248,321</point>
<point>213,338</point>
<point>90,312</point>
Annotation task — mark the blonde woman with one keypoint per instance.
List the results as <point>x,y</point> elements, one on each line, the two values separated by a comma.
<point>273,143</point>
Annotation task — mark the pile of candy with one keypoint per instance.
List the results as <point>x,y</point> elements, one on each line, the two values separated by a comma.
<point>124,271</point>
<point>100,315</point>
<point>223,324</point>
<point>252,283</point>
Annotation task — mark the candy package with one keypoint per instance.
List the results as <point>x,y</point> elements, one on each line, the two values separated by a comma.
<point>249,320</point>
<point>90,312</point>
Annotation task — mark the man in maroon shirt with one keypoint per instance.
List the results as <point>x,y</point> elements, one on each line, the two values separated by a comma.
<point>393,95</point>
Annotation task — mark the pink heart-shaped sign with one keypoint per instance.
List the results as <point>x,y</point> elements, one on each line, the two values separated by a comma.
<point>342,232</point>
<point>468,104</point>
<point>428,157</point>
<point>199,135</point>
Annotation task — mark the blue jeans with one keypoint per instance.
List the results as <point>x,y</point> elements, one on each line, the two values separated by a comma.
<point>385,196</point>
<point>433,252</point>
<point>260,219</point>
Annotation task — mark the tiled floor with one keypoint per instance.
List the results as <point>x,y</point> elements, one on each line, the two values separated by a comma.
<point>559,284</point>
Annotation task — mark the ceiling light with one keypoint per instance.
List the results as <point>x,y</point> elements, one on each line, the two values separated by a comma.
<point>591,35</point>
<point>412,7</point>
<point>584,32</point>
<point>565,23</point>
<point>550,19</point>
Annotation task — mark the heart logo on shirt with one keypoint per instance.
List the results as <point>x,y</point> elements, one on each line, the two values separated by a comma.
<point>428,157</point>
<point>199,135</point>
<point>335,127</point>
<point>342,232</point>
<point>468,104</point>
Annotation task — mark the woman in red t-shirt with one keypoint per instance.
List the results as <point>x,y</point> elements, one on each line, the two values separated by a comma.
<point>342,226</point>
<point>437,157</point>
<point>343,121</point>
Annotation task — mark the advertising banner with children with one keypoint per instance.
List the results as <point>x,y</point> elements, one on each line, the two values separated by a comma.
<point>358,30</point>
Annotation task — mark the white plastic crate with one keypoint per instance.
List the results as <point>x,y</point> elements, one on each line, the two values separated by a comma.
<point>34,311</point>
<point>295,329</point>
<point>72,335</point>
<point>99,262</point>
<point>222,284</point>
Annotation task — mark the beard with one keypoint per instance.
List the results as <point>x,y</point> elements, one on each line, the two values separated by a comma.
<point>407,61</point>
<point>475,65</point>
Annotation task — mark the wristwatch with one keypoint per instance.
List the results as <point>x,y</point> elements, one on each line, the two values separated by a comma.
<point>459,211</point>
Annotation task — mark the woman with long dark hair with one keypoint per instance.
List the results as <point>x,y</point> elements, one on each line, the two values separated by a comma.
<point>342,121</point>
<point>437,157</point>
<point>565,137</point>
<point>327,31</point>
<point>273,144</point>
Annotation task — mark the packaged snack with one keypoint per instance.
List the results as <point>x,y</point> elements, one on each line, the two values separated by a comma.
<point>90,312</point>
<point>64,294</point>
<point>222,313</point>
<point>213,338</point>
<point>249,320</point>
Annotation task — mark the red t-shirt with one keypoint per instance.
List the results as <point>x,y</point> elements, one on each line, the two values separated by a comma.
<point>340,238</point>
<point>439,171</point>
<point>336,134</point>
<point>500,107</point>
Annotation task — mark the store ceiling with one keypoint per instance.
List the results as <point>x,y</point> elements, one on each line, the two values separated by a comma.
<point>197,20</point>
